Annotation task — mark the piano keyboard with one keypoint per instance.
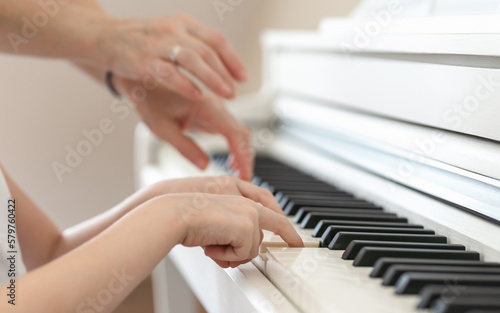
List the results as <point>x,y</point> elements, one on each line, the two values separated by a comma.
<point>365,259</point>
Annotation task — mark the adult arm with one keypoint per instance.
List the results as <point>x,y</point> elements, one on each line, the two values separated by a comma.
<point>131,48</point>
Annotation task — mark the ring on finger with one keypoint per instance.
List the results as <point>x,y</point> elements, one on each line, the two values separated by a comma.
<point>174,54</point>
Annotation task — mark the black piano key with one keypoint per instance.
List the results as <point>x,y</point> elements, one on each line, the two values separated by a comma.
<point>263,168</point>
<point>299,186</point>
<point>264,159</point>
<point>356,245</point>
<point>464,304</point>
<point>396,271</point>
<point>293,206</point>
<point>278,177</point>
<point>323,225</point>
<point>431,293</point>
<point>413,283</point>
<point>330,197</point>
<point>381,266</point>
<point>332,231</point>
<point>287,187</point>
<point>369,255</point>
<point>294,195</point>
<point>300,194</point>
<point>266,162</point>
<point>312,219</point>
<point>263,171</point>
<point>343,239</point>
<point>267,186</point>
<point>303,211</point>
<point>256,180</point>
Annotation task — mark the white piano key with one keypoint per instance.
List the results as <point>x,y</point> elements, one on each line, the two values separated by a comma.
<point>272,240</point>
<point>318,280</point>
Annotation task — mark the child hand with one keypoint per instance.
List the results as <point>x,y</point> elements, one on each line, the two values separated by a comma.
<point>229,228</point>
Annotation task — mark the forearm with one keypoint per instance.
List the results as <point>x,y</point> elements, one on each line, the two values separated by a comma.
<point>90,4</point>
<point>134,245</point>
<point>79,234</point>
<point>95,72</point>
<point>58,29</point>
<point>83,232</point>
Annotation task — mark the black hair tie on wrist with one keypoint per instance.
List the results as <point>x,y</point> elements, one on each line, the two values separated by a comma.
<point>111,86</point>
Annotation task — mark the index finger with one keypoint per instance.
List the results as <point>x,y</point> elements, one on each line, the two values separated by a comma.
<point>238,137</point>
<point>280,225</point>
<point>243,153</point>
<point>219,43</point>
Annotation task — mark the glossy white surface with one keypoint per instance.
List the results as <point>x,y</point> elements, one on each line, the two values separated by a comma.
<point>320,281</point>
<point>311,66</point>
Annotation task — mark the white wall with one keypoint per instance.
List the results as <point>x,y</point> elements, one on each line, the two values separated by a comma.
<point>47,104</point>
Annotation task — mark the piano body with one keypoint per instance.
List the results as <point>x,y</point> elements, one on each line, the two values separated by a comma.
<point>397,107</point>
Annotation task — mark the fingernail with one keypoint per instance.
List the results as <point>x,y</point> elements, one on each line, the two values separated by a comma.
<point>242,74</point>
<point>201,163</point>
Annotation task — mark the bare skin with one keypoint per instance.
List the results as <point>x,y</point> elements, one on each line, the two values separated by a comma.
<point>137,51</point>
<point>130,239</point>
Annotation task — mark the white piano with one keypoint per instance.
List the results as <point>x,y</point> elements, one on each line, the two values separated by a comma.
<point>398,105</point>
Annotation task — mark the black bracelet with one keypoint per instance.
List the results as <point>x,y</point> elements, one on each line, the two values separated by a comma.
<point>111,86</point>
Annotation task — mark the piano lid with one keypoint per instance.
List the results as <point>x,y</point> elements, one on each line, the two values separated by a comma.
<point>420,8</point>
<point>393,81</point>
<point>433,70</point>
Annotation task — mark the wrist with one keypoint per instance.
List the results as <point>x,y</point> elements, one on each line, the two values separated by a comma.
<point>101,46</point>
<point>109,80</point>
<point>82,45</point>
<point>172,210</point>
<point>120,84</point>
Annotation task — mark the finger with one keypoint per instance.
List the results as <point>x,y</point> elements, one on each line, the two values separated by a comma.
<point>236,264</point>
<point>228,253</point>
<point>231,163</point>
<point>280,225</point>
<point>260,195</point>
<point>254,252</point>
<point>226,264</point>
<point>221,46</point>
<point>185,145</point>
<point>215,113</point>
<point>190,60</point>
<point>213,60</point>
<point>238,138</point>
<point>240,146</point>
<point>223,264</point>
<point>168,75</point>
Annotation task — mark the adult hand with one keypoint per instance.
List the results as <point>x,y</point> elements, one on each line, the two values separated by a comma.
<point>137,47</point>
<point>229,228</point>
<point>168,115</point>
